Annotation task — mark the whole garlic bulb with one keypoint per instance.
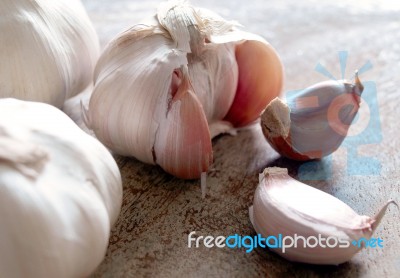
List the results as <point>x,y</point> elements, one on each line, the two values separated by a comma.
<point>48,50</point>
<point>165,88</point>
<point>60,193</point>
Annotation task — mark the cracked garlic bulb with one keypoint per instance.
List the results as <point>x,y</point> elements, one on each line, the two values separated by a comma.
<point>48,50</point>
<point>60,193</point>
<point>165,88</point>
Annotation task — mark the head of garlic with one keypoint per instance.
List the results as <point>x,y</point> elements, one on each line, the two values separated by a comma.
<point>60,194</point>
<point>313,122</point>
<point>283,205</point>
<point>165,88</point>
<point>48,50</point>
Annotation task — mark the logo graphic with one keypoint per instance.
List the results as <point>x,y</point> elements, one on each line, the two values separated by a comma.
<point>367,130</point>
<point>279,242</point>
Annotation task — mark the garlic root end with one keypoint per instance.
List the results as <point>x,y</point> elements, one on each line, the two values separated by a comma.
<point>277,115</point>
<point>271,171</point>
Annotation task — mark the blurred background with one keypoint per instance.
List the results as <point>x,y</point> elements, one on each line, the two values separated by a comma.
<point>150,238</point>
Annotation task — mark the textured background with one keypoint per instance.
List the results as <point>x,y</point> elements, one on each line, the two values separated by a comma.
<point>150,238</point>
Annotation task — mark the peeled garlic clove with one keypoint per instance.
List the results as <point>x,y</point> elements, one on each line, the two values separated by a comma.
<point>134,110</point>
<point>48,50</point>
<point>313,122</point>
<point>283,205</point>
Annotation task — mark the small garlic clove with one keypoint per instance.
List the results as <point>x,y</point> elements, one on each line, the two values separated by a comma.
<point>313,122</point>
<point>183,143</point>
<point>279,207</point>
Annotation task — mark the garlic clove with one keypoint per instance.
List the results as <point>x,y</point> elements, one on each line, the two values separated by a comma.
<point>127,106</point>
<point>213,70</point>
<point>279,207</point>
<point>214,77</point>
<point>260,81</point>
<point>183,143</point>
<point>313,122</point>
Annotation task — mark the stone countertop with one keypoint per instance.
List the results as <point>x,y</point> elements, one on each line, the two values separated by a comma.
<point>159,211</point>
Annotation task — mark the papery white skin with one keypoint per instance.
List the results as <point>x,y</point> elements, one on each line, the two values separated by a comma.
<point>163,89</point>
<point>60,194</point>
<point>48,50</point>
<point>283,205</point>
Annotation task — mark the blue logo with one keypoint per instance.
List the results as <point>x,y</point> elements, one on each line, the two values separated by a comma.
<point>371,243</point>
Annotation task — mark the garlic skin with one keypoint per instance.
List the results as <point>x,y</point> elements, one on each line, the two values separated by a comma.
<point>283,205</point>
<point>247,106</point>
<point>165,88</point>
<point>48,50</point>
<point>313,122</point>
<point>60,193</point>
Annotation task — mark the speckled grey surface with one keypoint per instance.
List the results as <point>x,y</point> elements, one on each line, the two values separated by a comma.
<point>150,238</point>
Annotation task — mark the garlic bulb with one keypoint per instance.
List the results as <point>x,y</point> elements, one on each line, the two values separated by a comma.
<point>313,122</point>
<point>48,50</point>
<point>165,88</point>
<point>60,193</point>
<point>283,205</point>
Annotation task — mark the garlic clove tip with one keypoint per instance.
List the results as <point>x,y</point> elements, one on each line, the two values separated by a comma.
<point>378,217</point>
<point>359,87</point>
